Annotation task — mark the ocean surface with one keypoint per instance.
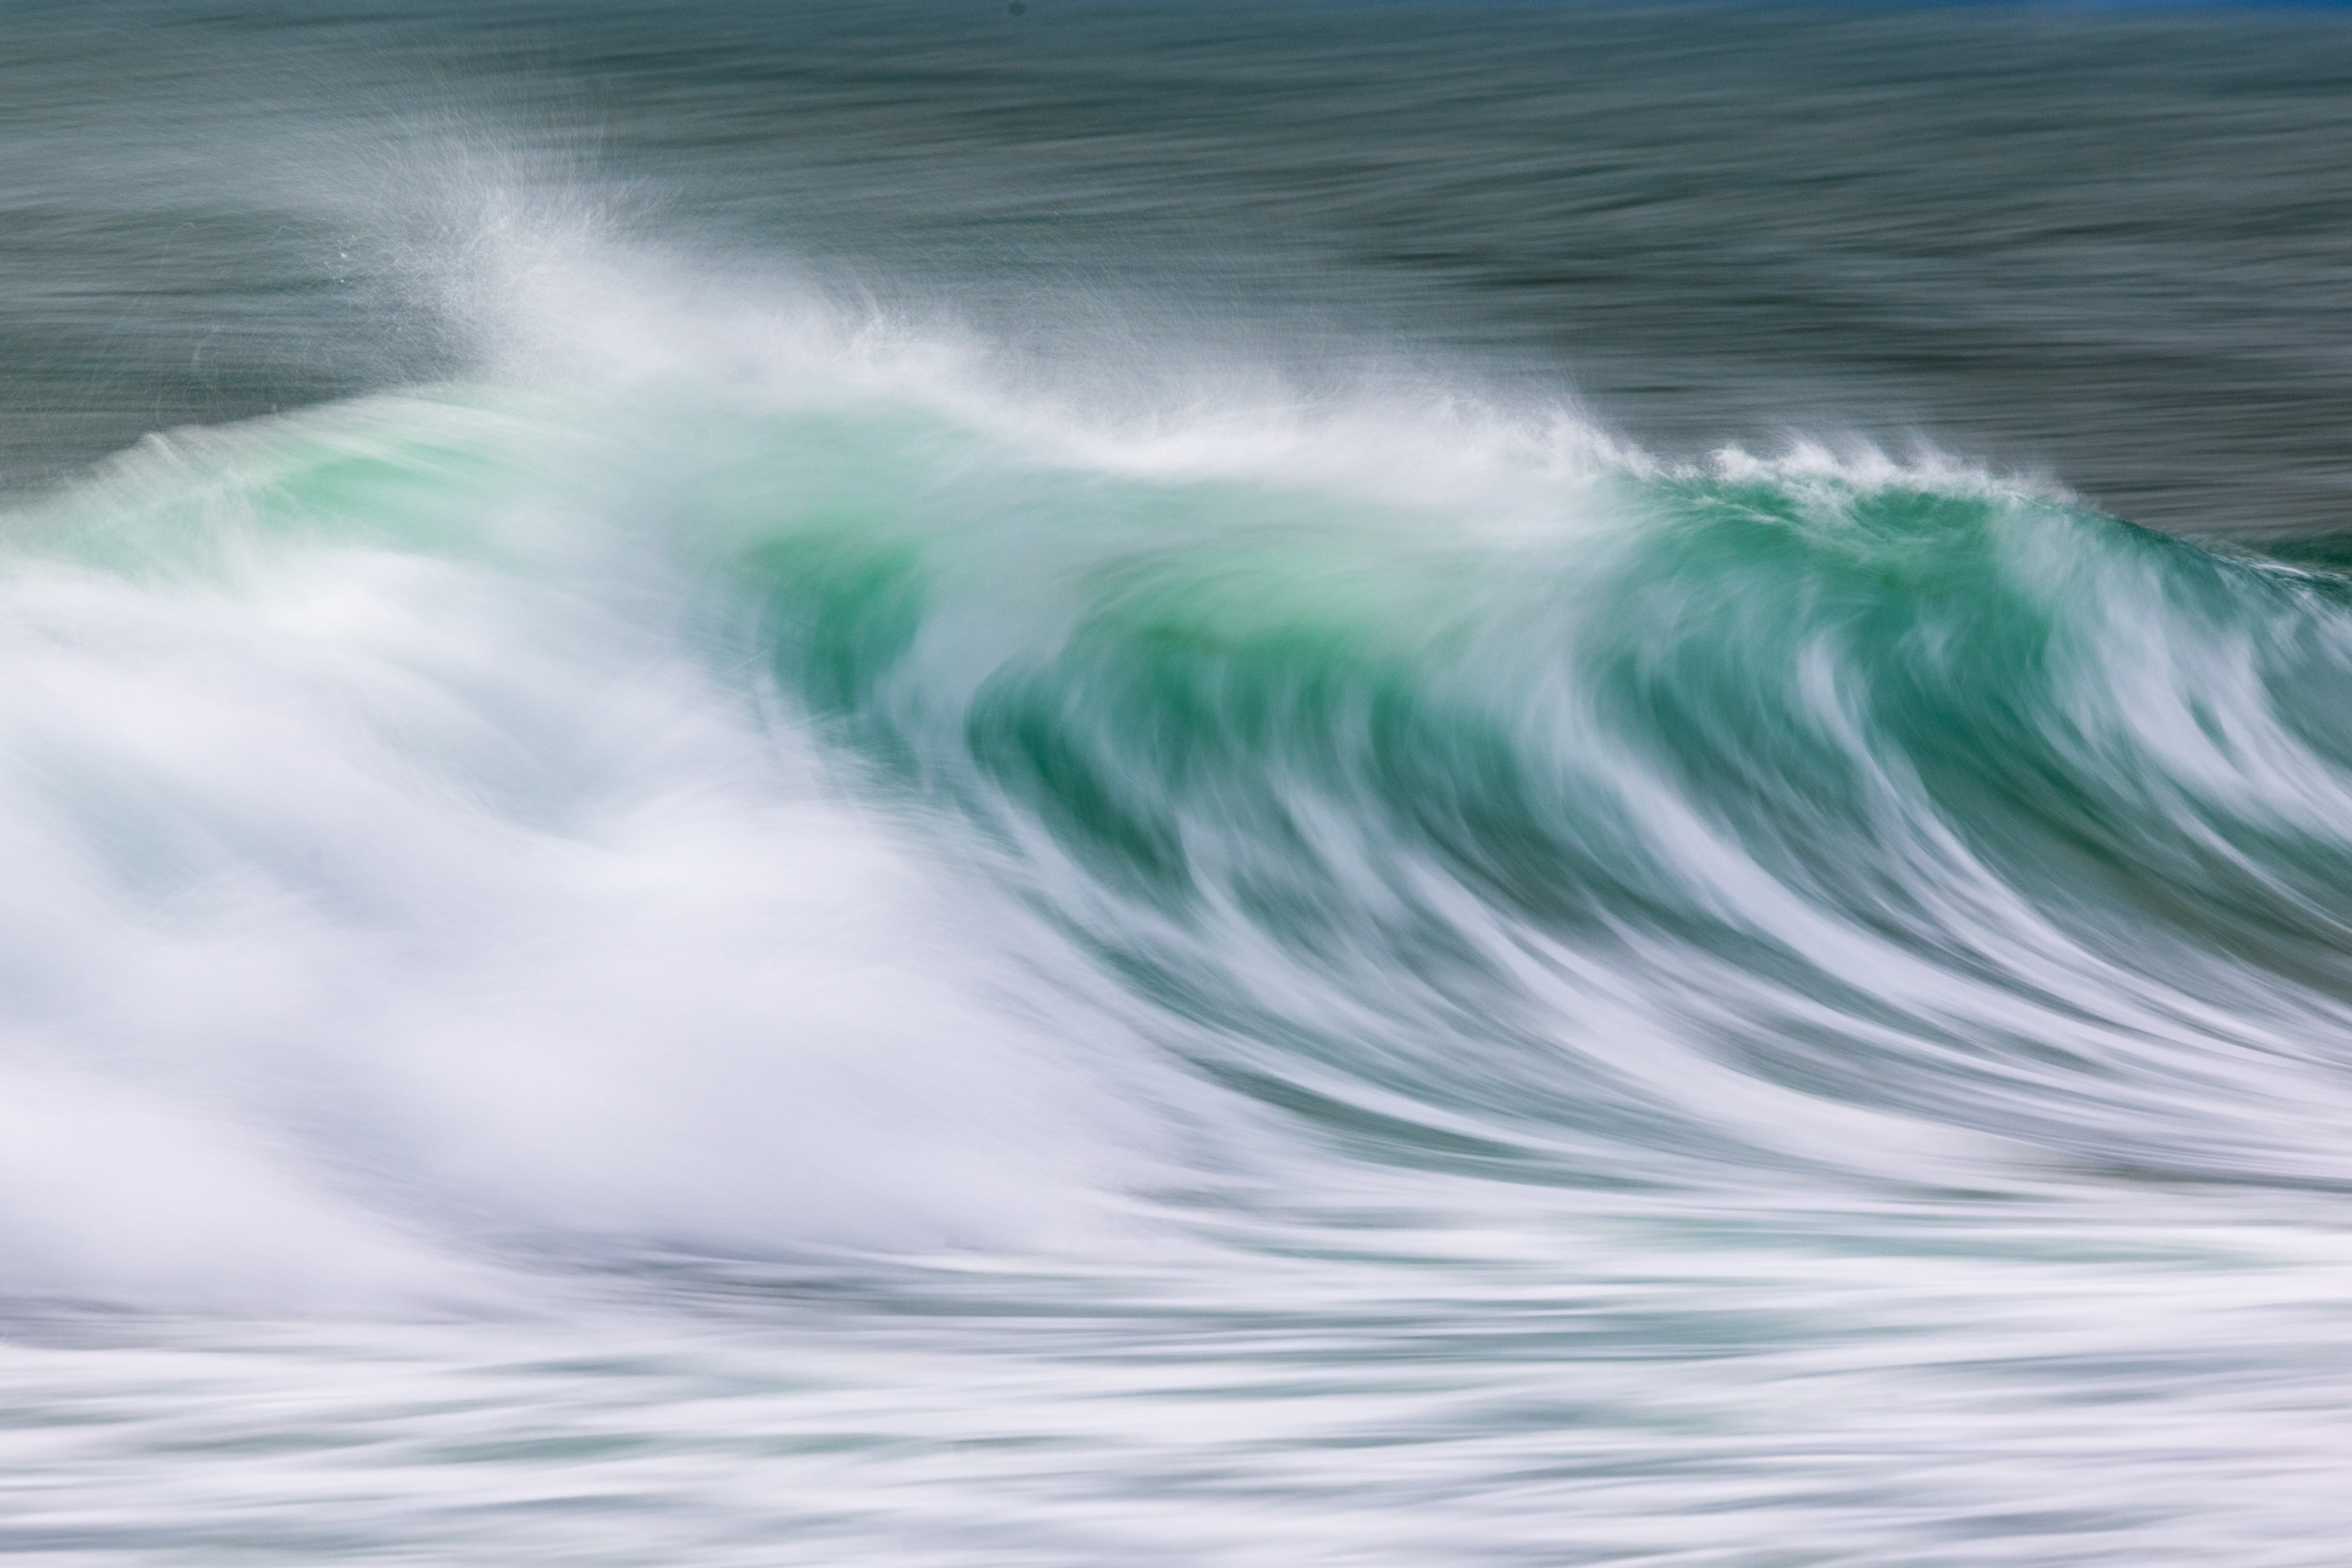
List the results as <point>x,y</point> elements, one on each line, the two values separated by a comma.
<point>1121,783</point>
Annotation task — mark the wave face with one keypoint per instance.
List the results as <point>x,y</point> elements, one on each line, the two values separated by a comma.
<point>702,916</point>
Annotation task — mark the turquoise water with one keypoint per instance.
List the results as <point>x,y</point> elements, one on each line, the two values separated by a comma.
<point>699,914</point>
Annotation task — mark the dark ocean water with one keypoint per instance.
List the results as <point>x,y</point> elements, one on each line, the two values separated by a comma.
<point>1128,783</point>
<point>2107,244</point>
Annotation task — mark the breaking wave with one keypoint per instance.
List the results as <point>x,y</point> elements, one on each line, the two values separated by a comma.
<point>751,776</point>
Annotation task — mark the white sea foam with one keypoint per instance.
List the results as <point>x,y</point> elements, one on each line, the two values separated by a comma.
<point>370,906</point>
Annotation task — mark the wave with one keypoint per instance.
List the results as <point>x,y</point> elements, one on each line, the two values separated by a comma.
<point>733,781</point>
